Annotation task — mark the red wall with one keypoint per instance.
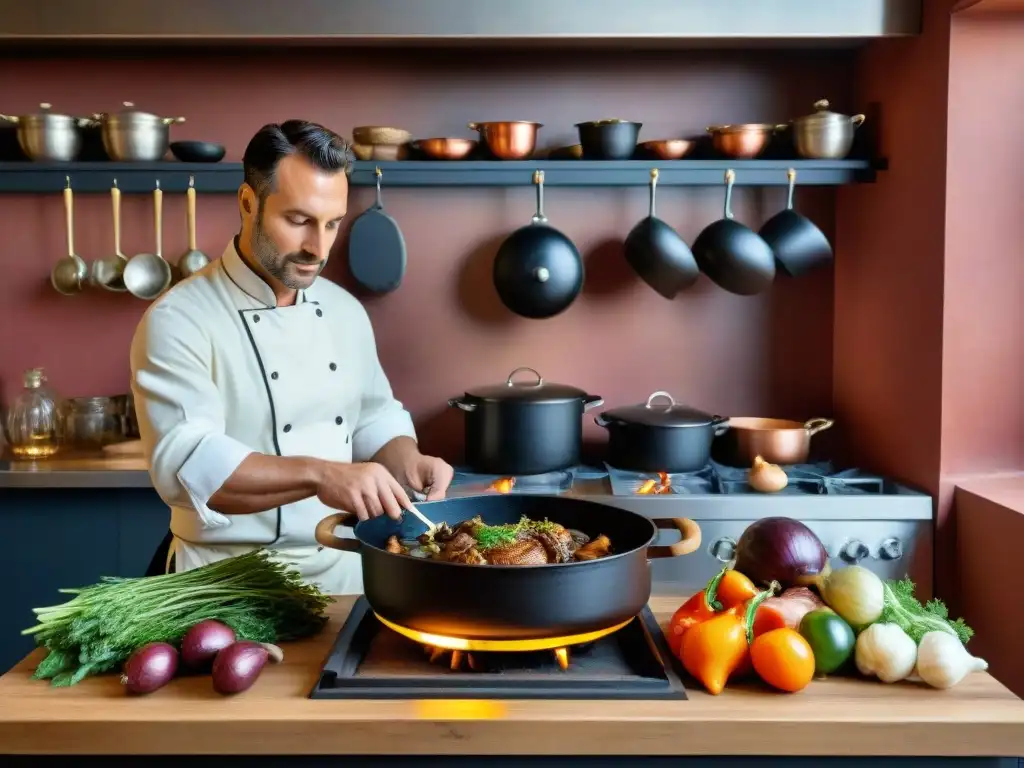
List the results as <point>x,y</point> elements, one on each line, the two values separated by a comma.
<point>444,329</point>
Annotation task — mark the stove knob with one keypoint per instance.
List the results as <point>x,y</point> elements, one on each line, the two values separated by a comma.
<point>723,549</point>
<point>855,551</point>
<point>891,549</point>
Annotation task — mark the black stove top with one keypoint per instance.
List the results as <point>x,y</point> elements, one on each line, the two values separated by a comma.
<point>371,661</point>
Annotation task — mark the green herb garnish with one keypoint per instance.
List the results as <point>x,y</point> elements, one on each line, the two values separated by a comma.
<point>491,536</point>
<point>96,631</point>
<point>902,608</point>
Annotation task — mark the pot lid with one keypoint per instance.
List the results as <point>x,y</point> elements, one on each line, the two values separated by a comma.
<point>131,113</point>
<point>822,115</point>
<point>530,388</point>
<point>43,115</point>
<point>661,410</point>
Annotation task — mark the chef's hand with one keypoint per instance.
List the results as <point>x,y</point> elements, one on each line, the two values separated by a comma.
<point>367,489</point>
<point>429,475</point>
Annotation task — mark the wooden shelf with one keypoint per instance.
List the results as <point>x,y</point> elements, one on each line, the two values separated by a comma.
<point>224,178</point>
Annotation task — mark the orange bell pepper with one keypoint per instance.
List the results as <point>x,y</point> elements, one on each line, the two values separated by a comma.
<point>725,590</point>
<point>734,589</point>
<point>717,648</point>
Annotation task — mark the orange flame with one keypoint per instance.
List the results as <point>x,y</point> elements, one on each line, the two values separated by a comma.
<point>504,484</point>
<point>562,657</point>
<point>662,485</point>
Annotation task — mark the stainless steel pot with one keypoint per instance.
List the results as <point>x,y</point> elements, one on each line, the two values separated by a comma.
<point>134,136</point>
<point>47,136</point>
<point>825,135</point>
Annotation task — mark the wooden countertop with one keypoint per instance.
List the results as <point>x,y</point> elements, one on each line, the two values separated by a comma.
<point>979,717</point>
<point>78,469</point>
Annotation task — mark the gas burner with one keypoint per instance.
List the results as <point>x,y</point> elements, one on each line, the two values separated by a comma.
<point>546,483</point>
<point>627,482</point>
<point>486,655</point>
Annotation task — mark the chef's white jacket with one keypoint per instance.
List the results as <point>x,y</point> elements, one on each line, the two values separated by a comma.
<point>219,371</point>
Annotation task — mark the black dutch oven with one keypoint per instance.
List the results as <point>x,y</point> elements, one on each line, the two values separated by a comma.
<point>510,602</point>
<point>660,436</point>
<point>524,427</point>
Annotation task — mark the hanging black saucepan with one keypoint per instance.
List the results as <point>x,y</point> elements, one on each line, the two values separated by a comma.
<point>510,602</point>
<point>537,271</point>
<point>734,256</point>
<point>798,244</point>
<point>658,254</point>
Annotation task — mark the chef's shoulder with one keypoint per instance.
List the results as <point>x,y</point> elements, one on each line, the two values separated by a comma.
<point>184,315</point>
<point>344,308</point>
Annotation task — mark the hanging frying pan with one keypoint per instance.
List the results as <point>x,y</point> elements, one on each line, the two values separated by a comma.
<point>376,248</point>
<point>798,244</point>
<point>537,271</point>
<point>658,254</point>
<point>734,256</point>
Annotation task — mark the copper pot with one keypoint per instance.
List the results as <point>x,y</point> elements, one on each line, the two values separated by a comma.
<point>511,140</point>
<point>744,141</point>
<point>668,149</point>
<point>446,148</point>
<point>778,441</point>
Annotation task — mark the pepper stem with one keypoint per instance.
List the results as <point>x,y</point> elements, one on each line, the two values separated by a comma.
<point>711,590</point>
<point>753,605</point>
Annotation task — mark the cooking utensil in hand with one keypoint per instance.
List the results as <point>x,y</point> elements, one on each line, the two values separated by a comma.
<point>431,527</point>
<point>660,436</point>
<point>777,441</point>
<point>825,135</point>
<point>734,256</point>
<point>799,245</point>
<point>610,139</point>
<point>742,141</point>
<point>194,259</point>
<point>508,602</point>
<point>147,275</point>
<point>109,272</point>
<point>509,140</point>
<point>70,273</point>
<point>376,248</point>
<point>524,427</point>
<point>658,254</point>
<point>538,272</point>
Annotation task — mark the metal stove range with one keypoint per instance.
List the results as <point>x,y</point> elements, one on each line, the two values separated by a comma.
<point>861,517</point>
<point>375,660</point>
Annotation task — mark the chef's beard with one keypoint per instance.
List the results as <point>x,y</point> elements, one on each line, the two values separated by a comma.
<point>278,265</point>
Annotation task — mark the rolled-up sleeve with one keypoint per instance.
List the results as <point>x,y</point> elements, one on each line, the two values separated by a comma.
<point>180,412</point>
<point>382,417</point>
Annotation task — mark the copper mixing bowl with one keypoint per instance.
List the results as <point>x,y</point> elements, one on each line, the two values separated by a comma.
<point>510,140</point>
<point>445,148</point>
<point>668,149</point>
<point>744,141</point>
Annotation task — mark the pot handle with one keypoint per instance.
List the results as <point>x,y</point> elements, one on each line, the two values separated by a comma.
<point>326,536</point>
<point>537,383</point>
<point>462,405</point>
<point>720,424</point>
<point>592,401</point>
<point>656,395</point>
<point>814,426</point>
<point>172,120</point>
<point>857,120</point>
<point>688,530</point>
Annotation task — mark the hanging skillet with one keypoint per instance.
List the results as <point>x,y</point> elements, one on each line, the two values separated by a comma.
<point>658,254</point>
<point>734,256</point>
<point>537,271</point>
<point>798,244</point>
<point>376,248</point>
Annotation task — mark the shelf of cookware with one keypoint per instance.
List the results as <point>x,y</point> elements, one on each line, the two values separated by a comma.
<point>25,177</point>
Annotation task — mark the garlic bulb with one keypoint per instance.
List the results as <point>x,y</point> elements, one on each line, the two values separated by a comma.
<point>767,478</point>
<point>885,651</point>
<point>942,660</point>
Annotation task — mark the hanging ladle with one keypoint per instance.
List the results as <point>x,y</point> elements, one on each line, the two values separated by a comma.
<point>147,275</point>
<point>109,272</point>
<point>70,272</point>
<point>195,259</point>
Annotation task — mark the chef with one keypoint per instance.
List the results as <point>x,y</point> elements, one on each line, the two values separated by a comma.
<point>261,402</point>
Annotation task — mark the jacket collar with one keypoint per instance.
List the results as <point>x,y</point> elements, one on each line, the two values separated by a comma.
<point>244,277</point>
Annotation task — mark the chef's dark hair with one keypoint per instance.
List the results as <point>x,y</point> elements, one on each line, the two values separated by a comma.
<point>321,146</point>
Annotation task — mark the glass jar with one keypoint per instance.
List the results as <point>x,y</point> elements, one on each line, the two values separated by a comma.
<point>93,422</point>
<point>33,423</point>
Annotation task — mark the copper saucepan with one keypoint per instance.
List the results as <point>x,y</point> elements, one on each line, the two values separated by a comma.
<point>778,441</point>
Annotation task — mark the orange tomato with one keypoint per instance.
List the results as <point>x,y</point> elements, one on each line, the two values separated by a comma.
<point>783,659</point>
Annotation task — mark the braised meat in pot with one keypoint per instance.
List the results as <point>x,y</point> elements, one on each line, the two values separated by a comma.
<point>528,542</point>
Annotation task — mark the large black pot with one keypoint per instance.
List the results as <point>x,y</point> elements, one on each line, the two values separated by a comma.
<point>524,428</point>
<point>660,437</point>
<point>510,602</point>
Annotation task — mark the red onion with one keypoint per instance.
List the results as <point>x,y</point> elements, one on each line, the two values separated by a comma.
<point>781,549</point>
<point>203,642</point>
<point>236,667</point>
<point>151,667</point>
